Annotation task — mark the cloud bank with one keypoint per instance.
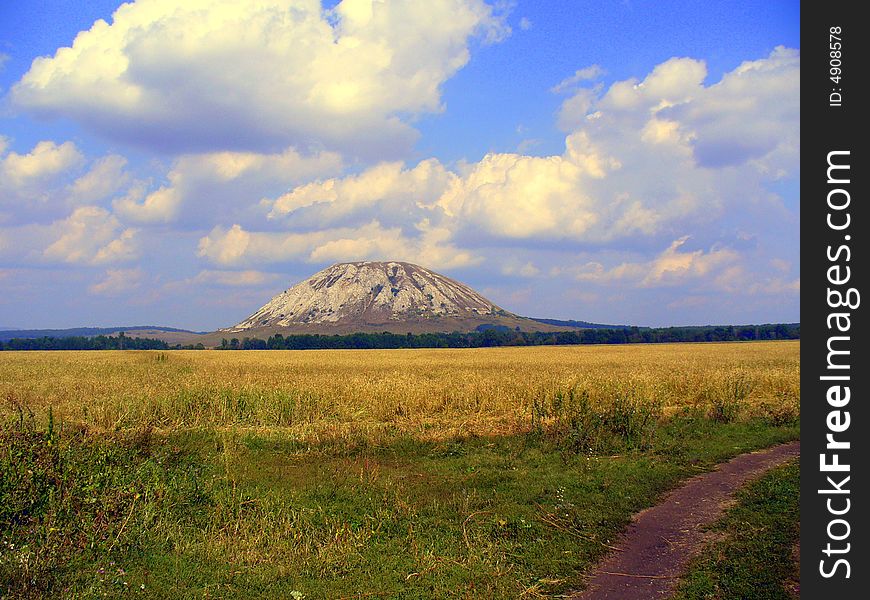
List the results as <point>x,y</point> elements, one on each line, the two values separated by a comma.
<point>650,160</point>
<point>213,75</point>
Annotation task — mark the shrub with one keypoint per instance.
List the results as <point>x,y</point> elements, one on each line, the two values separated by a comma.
<point>577,424</point>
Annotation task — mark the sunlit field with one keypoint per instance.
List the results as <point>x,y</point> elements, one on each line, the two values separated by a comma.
<point>433,394</point>
<point>486,473</point>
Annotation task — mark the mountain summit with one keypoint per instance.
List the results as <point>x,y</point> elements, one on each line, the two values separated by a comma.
<point>380,296</point>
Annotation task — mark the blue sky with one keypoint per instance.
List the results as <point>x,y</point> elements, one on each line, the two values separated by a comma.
<point>631,162</point>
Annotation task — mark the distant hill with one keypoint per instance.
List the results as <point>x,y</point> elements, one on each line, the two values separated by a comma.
<point>579,324</point>
<point>367,304</point>
<point>374,297</point>
<point>149,331</point>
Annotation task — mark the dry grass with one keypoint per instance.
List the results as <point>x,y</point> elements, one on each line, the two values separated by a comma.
<point>237,500</point>
<point>373,395</point>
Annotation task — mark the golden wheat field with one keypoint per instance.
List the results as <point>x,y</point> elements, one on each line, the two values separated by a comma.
<point>373,394</point>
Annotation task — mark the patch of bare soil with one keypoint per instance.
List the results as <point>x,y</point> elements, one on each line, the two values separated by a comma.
<point>655,548</point>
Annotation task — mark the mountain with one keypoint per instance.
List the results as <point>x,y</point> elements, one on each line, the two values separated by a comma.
<point>580,324</point>
<point>393,296</point>
<point>169,334</point>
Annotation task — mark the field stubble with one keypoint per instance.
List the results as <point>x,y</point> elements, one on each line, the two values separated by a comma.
<point>490,473</point>
<point>372,396</point>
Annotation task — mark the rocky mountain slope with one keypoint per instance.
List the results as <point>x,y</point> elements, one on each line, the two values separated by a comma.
<point>380,296</point>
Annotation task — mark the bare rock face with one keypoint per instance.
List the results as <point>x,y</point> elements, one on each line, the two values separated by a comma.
<point>371,293</point>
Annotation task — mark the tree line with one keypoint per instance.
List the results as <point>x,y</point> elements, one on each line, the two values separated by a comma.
<point>78,342</point>
<point>495,337</point>
<point>477,339</point>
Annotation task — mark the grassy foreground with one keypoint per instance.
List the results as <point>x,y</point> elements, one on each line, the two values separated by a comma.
<point>752,556</point>
<point>495,473</point>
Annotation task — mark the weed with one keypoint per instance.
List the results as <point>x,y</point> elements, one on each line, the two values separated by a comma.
<point>66,497</point>
<point>576,425</point>
<point>727,400</point>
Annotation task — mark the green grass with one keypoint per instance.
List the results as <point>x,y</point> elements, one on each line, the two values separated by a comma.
<point>234,514</point>
<point>752,556</point>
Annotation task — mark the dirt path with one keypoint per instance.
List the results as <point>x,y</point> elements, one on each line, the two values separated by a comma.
<point>654,549</point>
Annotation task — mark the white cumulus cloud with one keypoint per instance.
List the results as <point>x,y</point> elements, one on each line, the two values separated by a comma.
<point>221,186</point>
<point>646,159</point>
<point>105,177</point>
<point>46,160</point>
<point>205,75</point>
<point>117,282</point>
<point>590,73</point>
<point>40,185</point>
<point>371,241</point>
<point>91,235</point>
